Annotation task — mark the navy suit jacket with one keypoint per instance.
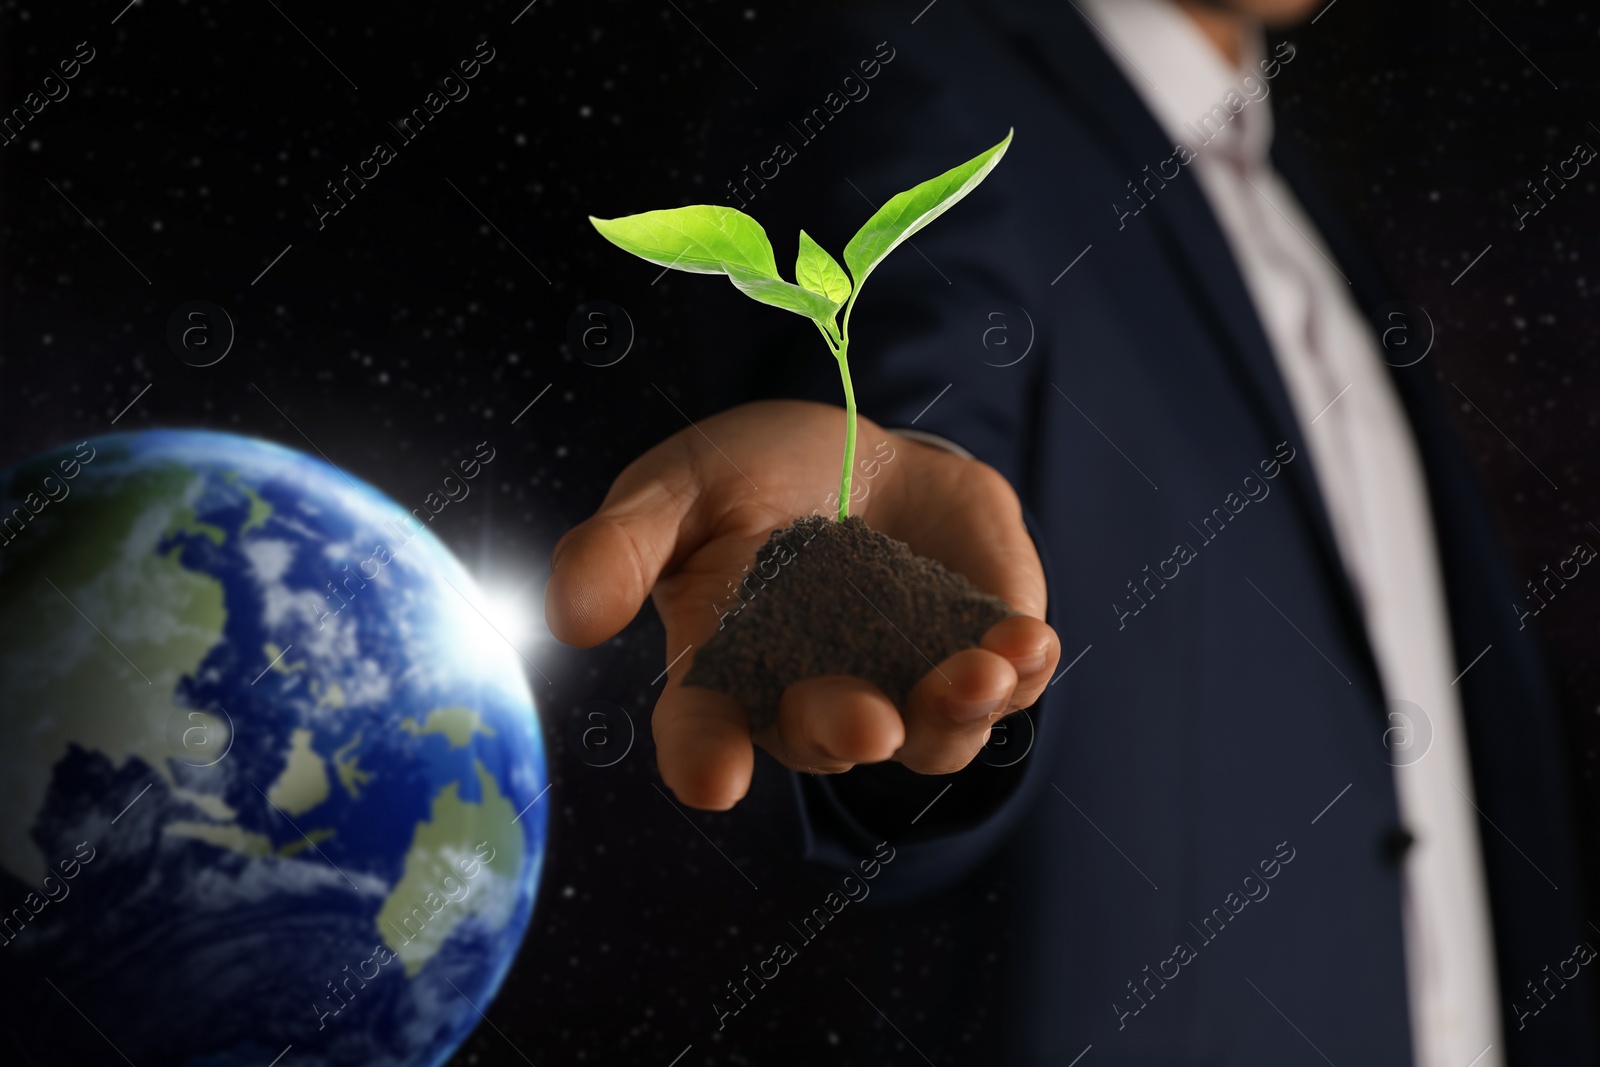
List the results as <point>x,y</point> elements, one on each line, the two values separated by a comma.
<point>1206,823</point>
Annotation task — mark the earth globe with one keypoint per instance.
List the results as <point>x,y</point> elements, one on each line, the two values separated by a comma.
<point>270,780</point>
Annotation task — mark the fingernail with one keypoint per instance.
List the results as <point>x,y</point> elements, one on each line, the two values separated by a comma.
<point>976,710</point>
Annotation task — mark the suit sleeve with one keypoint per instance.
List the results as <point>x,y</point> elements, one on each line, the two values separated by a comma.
<point>938,343</point>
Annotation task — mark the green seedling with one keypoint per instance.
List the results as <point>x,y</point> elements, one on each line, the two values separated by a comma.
<point>712,239</point>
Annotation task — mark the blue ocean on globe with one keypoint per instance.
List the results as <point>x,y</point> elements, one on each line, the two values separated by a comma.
<point>271,783</point>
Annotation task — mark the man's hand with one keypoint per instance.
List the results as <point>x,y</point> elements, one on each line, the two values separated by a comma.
<point>686,518</point>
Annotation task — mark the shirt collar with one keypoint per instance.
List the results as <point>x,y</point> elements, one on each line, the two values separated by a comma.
<point>1188,86</point>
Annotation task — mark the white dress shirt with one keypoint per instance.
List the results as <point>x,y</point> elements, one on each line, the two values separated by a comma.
<point>1372,484</point>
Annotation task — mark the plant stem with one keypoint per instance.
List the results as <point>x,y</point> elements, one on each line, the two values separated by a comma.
<point>849,431</point>
<point>842,354</point>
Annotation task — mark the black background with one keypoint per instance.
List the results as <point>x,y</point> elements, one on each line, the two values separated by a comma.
<point>442,300</point>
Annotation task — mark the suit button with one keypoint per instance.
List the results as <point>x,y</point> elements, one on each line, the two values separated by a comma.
<point>1395,843</point>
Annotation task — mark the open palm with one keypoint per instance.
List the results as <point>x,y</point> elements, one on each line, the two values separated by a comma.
<point>684,520</point>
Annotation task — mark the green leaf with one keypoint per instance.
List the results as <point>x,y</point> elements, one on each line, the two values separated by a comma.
<point>910,211</point>
<point>700,238</point>
<point>709,239</point>
<point>819,272</point>
<point>781,294</point>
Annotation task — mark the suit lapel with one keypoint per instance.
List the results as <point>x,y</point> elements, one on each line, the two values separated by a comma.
<point>1071,55</point>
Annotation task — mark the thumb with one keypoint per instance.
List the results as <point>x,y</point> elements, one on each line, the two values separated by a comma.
<point>602,570</point>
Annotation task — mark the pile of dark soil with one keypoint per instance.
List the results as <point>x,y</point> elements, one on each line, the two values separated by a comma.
<point>828,597</point>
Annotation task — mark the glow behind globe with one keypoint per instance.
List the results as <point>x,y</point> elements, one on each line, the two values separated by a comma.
<point>269,780</point>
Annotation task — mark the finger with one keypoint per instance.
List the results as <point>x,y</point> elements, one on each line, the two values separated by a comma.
<point>602,569</point>
<point>966,515</point>
<point>830,723</point>
<point>703,747</point>
<point>1033,650</point>
<point>950,710</point>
